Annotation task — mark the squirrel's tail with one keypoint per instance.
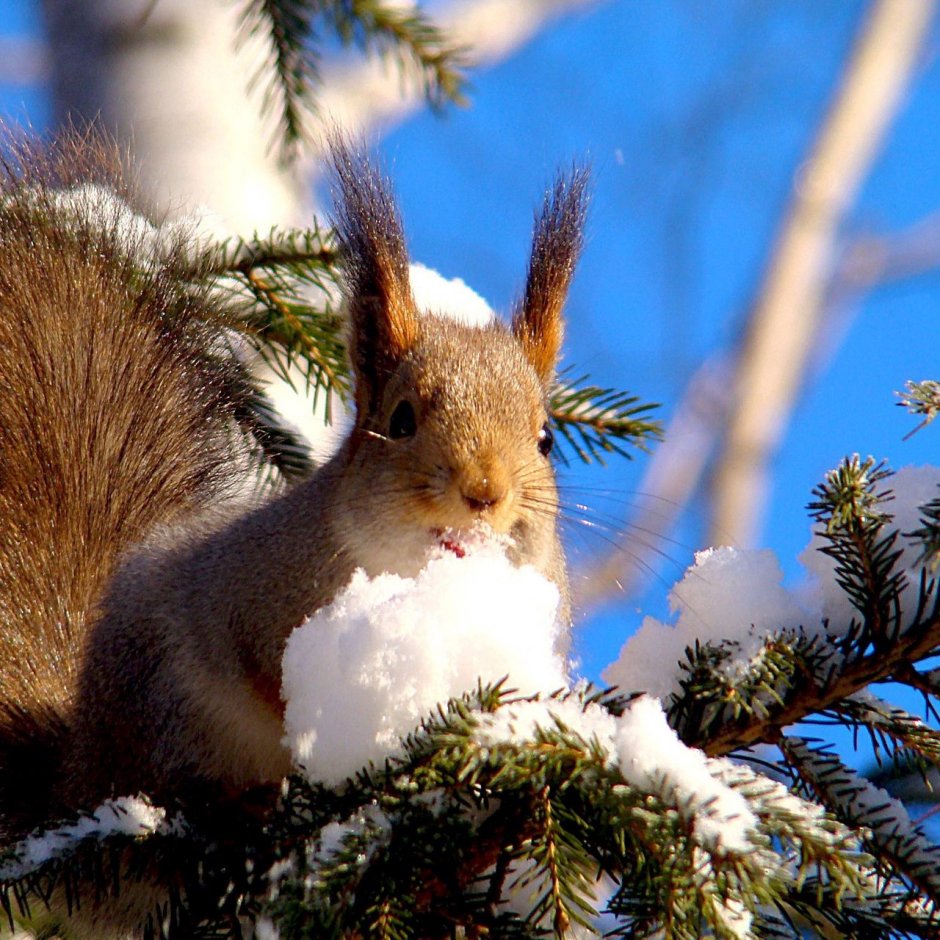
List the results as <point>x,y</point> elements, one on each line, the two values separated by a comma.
<point>116,413</point>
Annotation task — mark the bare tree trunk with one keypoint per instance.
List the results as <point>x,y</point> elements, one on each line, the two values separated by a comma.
<point>171,78</point>
<point>782,327</point>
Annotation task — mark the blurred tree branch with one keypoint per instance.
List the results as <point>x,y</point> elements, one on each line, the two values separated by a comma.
<point>781,329</point>
<point>679,466</point>
<point>23,61</point>
<point>672,477</point>
<point>876,259</point>
<point>360,95</point>
<point>829,284</point>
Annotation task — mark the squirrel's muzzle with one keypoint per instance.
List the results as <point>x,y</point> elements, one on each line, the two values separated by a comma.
<point>484,486</point>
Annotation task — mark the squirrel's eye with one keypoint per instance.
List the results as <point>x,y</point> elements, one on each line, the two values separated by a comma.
<point>403,422</point>
<point>546,440</point>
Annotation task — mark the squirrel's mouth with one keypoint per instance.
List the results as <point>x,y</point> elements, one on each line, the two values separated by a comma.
<point>451,545</point>
<point>462,541</point>
<point>450,541</point>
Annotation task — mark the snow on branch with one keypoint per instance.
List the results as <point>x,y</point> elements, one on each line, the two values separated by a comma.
<point>888,827</point>
<point>747,655</point>
<point>452,770</point>
<point>125,816</point>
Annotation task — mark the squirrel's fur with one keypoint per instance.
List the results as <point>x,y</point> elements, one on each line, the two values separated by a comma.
<point>112,418</point>
<point>142,627</point>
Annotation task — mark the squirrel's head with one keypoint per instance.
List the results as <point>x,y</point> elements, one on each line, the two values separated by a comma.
<point>452,426</point>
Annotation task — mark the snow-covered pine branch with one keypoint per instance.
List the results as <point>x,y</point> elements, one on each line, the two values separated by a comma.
<point>501,806</point>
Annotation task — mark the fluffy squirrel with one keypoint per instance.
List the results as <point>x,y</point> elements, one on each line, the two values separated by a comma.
<point>142,623</point>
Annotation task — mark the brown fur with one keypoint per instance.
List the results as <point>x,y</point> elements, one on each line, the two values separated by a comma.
<point>556,245</point>
<point>382,314</point>
<point>168,680</point>
<point>110,420</point>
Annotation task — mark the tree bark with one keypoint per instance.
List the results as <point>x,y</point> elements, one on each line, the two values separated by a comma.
<point>175,81</point>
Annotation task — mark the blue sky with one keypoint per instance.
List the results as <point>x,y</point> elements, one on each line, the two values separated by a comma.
<point>695,117</point>
<point>695,125</point>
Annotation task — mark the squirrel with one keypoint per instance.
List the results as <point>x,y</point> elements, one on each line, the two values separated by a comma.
<point>143,618</point>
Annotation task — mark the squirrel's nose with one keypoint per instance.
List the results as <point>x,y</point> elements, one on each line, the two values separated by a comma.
<point>479,503</point>
<point>485,488</point>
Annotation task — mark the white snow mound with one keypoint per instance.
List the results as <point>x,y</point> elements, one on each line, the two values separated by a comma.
<point>362,672</point>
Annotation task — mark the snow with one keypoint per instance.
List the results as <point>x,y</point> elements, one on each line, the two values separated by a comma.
<point>727,594</point>
<point>653,759</point>
<point>862,803</point>
<point>126,815</point>
<point>519,722</point>
<point>265,929</point>
<point>912,487</point>
<point>140,238</point>
<point>737,596</point>
<point>334,836</point>
<point>436,295</point>
<point>734,917</point>
<point>362,672</point>
<point>769,797</point>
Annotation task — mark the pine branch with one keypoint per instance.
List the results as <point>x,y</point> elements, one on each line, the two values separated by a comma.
<point>920,641</point>
<point>895,842</point>
<point>417,45</point>
<point>282,292</point>
<point>286,25</point>
<point>374,26</point>
<point>878,648</point>
<point>715,691</point>
<point>920,398</point>
<point>929,534</point>
<point>279,446</point>
<point>905,737</point>
<point>849,507</point>
<point>403,850</point>
<point>306,253</point>
<point>211,849</point>
<point>595,421</point>
<point>812,910</point>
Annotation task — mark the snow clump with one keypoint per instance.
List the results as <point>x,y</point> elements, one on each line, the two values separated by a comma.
<point>653,759</point>
<point>362,672</point>
<point>127,815</point>
<point>737,596</point>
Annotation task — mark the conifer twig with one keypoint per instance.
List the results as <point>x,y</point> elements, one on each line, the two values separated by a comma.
<point>374,26</point>
<point>917,643</point>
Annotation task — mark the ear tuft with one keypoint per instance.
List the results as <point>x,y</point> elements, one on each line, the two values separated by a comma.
<point>556,246</point>
<point>384,321</point>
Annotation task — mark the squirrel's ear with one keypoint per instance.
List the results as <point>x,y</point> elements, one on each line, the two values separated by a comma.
<point>383,318</point>
<point>556,245</point>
